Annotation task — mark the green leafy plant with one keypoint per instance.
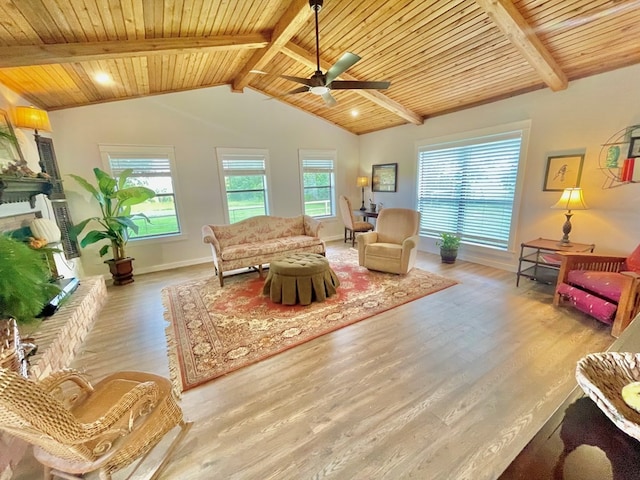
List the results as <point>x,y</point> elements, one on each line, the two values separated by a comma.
<point>25,286</point>
<point>115,201</point>
<point>448,241</point>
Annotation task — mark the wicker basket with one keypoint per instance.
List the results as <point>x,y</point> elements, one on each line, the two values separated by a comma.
<point>11,351</point>
<point>602,377</point>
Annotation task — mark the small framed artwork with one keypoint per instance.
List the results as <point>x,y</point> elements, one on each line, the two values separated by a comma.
<point>384,177</point>
<point>634,147</point>
<point>563,171</point>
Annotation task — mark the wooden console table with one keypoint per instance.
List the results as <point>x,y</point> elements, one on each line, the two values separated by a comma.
<point>541,254</point>
<point>366,214</point>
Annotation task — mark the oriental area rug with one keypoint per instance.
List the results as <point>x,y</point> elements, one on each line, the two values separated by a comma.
<point>214,330</point>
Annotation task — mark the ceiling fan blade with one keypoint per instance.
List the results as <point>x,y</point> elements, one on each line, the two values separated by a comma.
<point>345,62</point>
<point>328,99</point>
<point>299,90</point>
<point>349,84</point>
<point>304,81</point>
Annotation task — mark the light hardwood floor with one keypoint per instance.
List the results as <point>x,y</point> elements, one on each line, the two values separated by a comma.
<point>450,386</point>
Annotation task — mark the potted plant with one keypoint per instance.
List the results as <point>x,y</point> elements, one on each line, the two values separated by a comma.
<point>25,289</point>
<point>448,243</point>
<point>115,201</point>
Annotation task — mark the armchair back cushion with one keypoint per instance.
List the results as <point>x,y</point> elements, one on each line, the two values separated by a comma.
<point>396,224</point>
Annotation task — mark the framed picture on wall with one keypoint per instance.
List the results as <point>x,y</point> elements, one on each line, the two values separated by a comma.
<point>563,171</point>
<point>384,177</point>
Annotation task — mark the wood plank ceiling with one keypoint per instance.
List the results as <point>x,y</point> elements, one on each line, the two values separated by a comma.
<point>439,55</point>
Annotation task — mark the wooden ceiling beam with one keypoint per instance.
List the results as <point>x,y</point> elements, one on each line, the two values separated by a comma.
<point>511,22</point>
<point>289,24</point>
<point>25,55</point>
<point>309,59</point>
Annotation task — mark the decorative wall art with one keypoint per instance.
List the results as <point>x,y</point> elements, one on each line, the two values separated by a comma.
<point>384,177</point>
<point>563,171</point>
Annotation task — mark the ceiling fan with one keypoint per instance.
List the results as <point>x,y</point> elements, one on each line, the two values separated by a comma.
<point>320,83</point>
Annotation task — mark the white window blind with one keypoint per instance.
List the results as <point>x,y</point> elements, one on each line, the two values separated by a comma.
<point>244,180</point>
<point>468,188</point>
<point>318,182</point>
<point>153,167</point>
<point>142,165</point>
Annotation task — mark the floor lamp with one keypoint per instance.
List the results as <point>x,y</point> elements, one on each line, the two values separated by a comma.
<point>362,182</point>
<point>571,199</point>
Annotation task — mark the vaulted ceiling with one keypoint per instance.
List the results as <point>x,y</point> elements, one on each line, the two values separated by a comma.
<point>439,55</point>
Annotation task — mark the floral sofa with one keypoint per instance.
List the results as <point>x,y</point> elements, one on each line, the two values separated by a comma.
<point>259,240</point>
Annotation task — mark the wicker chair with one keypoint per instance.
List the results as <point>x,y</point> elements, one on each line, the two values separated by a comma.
<point>352,225</point>
<point>77,428</point>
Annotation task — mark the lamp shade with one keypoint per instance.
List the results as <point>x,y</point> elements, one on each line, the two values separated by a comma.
<point>362,181</point>
<point>32,117</point>
<point>571,199</point>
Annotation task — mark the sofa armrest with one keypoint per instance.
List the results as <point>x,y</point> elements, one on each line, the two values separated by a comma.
<point>410,243</point>
<point>209,237</point>
<point>365,239</point>
<point>312,226</point>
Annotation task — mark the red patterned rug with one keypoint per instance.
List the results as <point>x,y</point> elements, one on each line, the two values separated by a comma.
<point>216,330</point>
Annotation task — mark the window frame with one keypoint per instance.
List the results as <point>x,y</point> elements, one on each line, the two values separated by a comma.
<point>167,151</point>
<point>471,138</point>
<point>319,154</point>
<point>220,153</point>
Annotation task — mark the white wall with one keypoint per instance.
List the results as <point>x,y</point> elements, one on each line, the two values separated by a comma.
<point>578,119</point>
<point>195,123</point>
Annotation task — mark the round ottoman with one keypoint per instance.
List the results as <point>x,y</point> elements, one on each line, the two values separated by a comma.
<point>300,278</point>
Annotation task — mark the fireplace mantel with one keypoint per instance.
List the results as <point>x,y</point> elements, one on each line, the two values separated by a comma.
<point>23,189</point>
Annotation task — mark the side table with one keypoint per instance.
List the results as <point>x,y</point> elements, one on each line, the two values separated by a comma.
<point>539,260</point>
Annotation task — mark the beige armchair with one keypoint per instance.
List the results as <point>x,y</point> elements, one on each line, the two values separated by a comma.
<point>352,225</point>
<point>394,245</point>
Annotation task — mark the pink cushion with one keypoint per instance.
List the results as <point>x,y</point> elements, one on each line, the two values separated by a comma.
<point>605,284</point>
<point>632,263</point>
<point>597,307</point>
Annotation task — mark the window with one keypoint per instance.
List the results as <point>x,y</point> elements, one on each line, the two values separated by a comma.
<point>153,167</point>
<point>244,172</point>
<point>318,182</point>
<point>468,187</point>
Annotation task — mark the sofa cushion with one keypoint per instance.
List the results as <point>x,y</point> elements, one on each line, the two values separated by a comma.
<point>268,247</point>
<point>604,284</point>
<point>258,229</point>
<point>388,250</point>
<point>588,303</point>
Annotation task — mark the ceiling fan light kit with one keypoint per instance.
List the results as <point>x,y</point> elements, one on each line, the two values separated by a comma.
<point>320,83</point>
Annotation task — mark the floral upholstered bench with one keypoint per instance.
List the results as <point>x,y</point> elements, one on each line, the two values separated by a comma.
<point>259,240</point>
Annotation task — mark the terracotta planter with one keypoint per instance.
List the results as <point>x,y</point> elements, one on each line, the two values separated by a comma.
<point>448,255</point>
<point>121,270</point>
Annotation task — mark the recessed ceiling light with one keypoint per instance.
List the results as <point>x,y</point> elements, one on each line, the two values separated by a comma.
<point>102,78</point>
<point>354,113</point>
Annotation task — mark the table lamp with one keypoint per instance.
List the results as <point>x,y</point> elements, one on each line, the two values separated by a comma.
<point>36,119</point>
<point>571,199</point>
<point>362,182</point>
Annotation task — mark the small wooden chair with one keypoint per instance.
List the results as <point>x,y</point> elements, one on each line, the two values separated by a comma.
<point>77,428</point>
<point>606,287</point>
<point>352,225</point>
